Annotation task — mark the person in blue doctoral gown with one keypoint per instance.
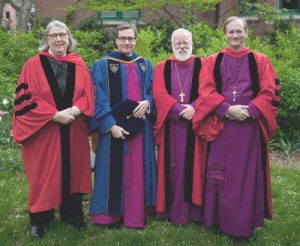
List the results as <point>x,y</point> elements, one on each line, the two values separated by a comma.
<point>125,166</point>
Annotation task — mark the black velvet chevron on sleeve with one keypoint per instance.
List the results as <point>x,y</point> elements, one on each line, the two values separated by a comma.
<point>22,98</point>
<point>26,109</point>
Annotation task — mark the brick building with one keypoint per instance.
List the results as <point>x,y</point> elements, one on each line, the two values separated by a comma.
<point>9,17</point>
<point>56,9</point>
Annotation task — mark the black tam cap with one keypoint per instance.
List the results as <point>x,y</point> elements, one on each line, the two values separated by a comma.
<point>123,114</point>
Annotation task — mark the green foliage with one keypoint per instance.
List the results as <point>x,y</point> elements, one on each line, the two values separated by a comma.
<point>187,7</point>
<point>280,19</point>
<point>206,40</point>
<point>121,5</point>
<point>89,24</point>
<point>283,52</point>
<point>92,45</point>
<point>149,45</point>
<point>14,51</point>
<point>154,43</point>
<point>288,146</point>
<point>94,40</point>
<point>5,133</point>
<point>162,30</point>
<point>40,23</point>
<point>146,40</point>
<point>70,11</point>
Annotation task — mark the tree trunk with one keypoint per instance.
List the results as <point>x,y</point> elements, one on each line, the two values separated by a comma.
<point>23,7</point>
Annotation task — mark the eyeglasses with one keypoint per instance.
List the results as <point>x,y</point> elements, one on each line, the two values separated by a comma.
<point>237,32</point>
<point>62,35</point>
<point>123,39</point>
<point>179,44</point>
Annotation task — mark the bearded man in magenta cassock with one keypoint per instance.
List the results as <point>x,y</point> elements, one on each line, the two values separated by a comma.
<point>179,152</point>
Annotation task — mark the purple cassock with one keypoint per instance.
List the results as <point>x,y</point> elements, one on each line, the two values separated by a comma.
<point>234,195</point>
<point>181,212</point>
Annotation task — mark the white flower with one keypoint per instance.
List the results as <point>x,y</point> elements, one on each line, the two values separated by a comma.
<point>5,101</point>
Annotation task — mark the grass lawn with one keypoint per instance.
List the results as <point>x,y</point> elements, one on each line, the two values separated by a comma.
<point>284,229</point>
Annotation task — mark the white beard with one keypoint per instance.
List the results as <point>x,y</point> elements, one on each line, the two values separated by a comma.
<point>183,57</point>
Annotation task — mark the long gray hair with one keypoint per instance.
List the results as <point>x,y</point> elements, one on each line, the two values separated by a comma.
<point>45,46</point>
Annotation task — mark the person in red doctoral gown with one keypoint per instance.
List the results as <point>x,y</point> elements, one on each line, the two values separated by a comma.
<point>54,97</point>
<point>239,98</point>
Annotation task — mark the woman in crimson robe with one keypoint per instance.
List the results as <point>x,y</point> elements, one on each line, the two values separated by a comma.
<point>54,97</point>
<point>239,99</point>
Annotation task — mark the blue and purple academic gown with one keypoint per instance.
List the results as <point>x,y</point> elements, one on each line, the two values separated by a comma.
<point>125,171</point>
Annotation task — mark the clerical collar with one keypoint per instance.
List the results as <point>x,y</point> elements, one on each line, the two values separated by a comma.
<point>50,52</point>
<point>236,54</point>
<point>191,59</point>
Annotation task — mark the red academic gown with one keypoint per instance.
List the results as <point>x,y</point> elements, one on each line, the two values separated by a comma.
<point>39,136</point>
<point>208,125</point>
<point>164,103</point>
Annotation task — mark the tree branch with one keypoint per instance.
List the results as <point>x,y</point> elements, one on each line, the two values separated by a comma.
<point>173,17</point>
<point>15,4</point>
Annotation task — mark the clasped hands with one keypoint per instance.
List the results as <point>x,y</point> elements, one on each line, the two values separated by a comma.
<point>238,112</point>
<point>188,112</point>
<point>139,112</point>
<point>67,115</point>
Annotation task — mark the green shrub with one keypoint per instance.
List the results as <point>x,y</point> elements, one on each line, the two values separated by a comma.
<point>89,24</point>
<point>14,51</point>
<point>206,40</point>
<point>91,45</point>
<point>284,55</point>
<point>162,30</point>
<point>154,43</point>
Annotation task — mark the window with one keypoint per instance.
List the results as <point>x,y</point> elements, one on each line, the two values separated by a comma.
<point>118,15</point>
<point>293,6</point>
<point>7,15</point>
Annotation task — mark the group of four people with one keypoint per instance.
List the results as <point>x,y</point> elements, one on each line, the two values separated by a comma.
<point>210,120</point>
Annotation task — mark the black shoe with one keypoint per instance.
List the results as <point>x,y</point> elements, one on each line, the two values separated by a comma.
<point>80,225</point>
<point>37,231</point>
<point>115,226</point>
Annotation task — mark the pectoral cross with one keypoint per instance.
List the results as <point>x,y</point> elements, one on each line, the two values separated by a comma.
<point>234,93</point>
<point>181,96</point>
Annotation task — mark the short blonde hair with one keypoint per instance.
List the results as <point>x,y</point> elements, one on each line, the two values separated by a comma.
<point>234,18</point>
<point>126,25</point>
<point>45,46</point>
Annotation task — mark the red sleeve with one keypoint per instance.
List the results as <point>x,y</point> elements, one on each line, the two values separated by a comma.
<point>85,101</point>
<point>163,101</point>
<point>31,112</point>
<point>205,123</point>
<point>266,101</point>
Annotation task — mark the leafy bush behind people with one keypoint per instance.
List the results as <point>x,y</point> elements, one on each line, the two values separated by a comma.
<point>154,43</point>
